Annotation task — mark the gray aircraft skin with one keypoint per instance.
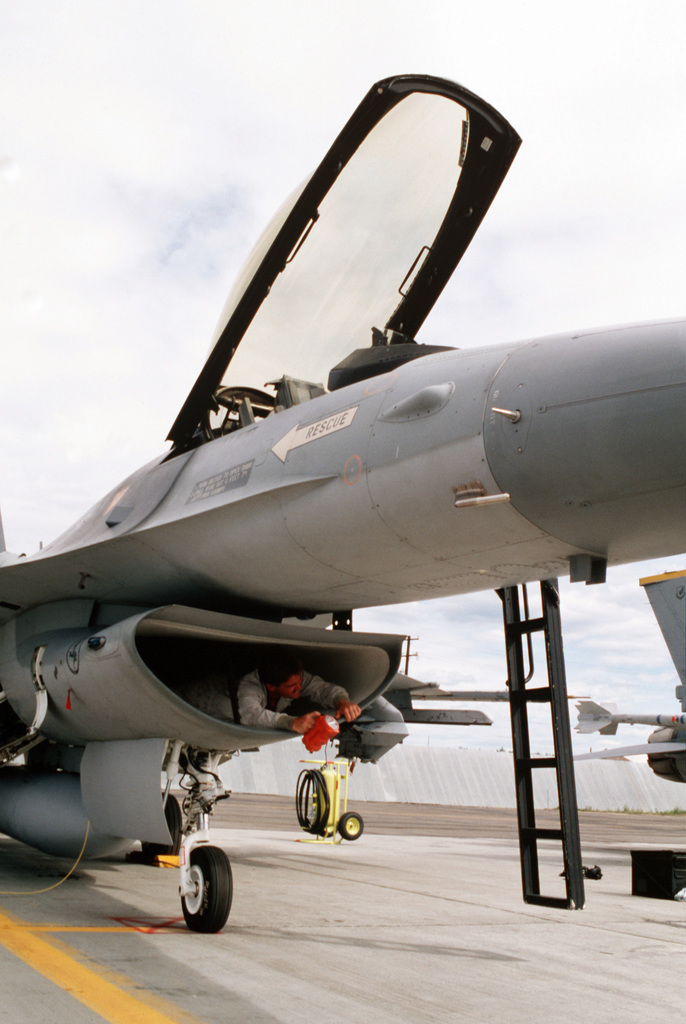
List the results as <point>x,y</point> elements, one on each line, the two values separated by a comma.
<point>666,746</point>
<point>371,470</point>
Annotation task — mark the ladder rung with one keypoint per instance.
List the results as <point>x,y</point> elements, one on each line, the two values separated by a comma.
<point>526,626</point>
<point>548,901</point>
<point>537,762</point>
<point>541,833</point>
<point>535,694</point>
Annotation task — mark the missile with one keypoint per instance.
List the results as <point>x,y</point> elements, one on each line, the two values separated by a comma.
<point>596,718</point>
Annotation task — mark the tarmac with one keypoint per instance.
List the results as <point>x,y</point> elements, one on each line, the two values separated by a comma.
<point>420,920</point>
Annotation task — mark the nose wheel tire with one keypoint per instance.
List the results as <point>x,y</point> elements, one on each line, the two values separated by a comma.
<point>207,907</point>
<point>350,826</point>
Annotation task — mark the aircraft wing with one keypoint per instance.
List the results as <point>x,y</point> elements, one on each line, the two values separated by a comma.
<point>638,748</point>
<point>404,691</point>
<point>366,245</point>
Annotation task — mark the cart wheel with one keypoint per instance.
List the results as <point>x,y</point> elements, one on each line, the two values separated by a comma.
<point>350,826</point>
<point>207,907</point>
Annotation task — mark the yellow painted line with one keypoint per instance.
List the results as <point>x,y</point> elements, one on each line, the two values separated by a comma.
<point>100,990</point>
<point>142,926</point>
<point>663,576</point>
<point>71,928</point>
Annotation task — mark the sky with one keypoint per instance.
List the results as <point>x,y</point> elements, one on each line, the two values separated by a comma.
<point>143,147</point>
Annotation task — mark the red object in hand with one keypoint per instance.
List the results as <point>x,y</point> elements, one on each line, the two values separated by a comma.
<point>321,732</point>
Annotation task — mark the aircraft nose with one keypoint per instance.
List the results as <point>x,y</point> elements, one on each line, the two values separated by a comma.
<point>597,455</point>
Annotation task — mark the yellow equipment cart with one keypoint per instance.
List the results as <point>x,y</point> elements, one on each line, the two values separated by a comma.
<point>321,796</point>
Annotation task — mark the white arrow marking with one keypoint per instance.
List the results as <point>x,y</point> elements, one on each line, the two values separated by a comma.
<point>299,436</point>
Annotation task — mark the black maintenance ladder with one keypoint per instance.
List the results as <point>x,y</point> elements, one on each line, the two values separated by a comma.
<point>517,628</point>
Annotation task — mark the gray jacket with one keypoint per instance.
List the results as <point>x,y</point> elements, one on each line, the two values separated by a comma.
<point>252,700</point>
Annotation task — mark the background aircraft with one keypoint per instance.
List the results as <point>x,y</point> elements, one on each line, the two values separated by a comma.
<point>325,460</point>
<point>666,746</point>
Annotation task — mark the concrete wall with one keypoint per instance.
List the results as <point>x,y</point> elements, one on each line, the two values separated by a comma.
<point>467,778</point>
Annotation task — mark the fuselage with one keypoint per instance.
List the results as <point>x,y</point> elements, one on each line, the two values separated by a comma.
<point>349,500</point>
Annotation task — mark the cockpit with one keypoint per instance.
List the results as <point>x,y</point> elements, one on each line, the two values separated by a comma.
<point>339,284</point>
<point>234,407</point>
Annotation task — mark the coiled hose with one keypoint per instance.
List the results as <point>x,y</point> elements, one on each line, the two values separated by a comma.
<point>312,801</point>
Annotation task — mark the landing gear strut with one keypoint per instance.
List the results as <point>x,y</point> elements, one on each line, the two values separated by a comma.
<point>206,883</point>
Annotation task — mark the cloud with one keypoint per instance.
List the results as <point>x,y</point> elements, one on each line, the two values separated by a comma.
<point>142,149</point>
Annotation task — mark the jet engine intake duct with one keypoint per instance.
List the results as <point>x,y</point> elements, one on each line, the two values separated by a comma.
<point>169,673</point>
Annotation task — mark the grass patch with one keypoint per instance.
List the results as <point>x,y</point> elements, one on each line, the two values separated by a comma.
<point>675,812</point>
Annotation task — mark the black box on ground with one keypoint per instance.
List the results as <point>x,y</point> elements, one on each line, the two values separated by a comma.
<point>657,873</point>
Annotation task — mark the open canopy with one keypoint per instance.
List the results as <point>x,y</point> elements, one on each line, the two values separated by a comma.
<point>360,252</point>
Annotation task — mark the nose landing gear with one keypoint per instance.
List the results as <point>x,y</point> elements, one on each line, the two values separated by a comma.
<point>208,890</point>
<point>206,882</point>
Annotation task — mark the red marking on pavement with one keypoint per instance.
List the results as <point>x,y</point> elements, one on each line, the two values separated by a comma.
<point>149,925</point>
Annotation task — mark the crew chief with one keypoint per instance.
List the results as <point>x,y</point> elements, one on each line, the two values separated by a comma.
<point>280,694</point>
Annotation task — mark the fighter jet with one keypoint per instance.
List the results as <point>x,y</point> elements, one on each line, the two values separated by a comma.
<point>666,746</point>
<point>325,460</point>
